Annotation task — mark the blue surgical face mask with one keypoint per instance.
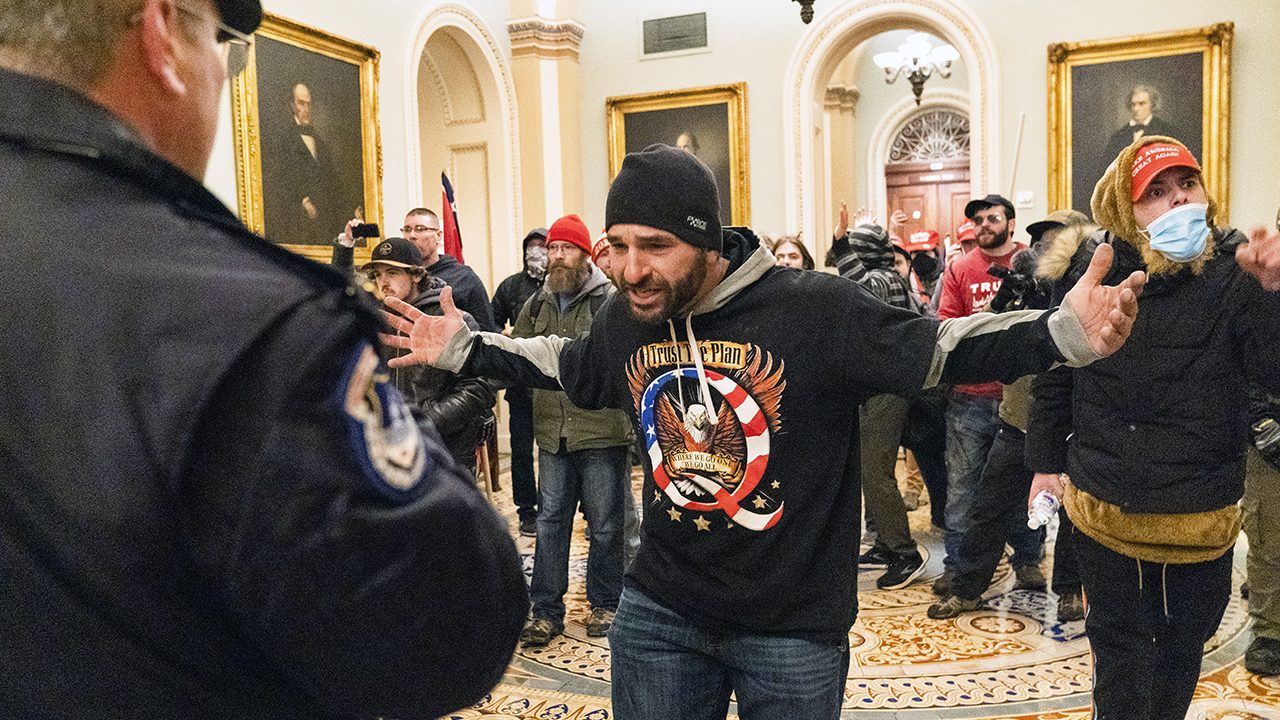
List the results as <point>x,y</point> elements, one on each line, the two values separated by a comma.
<point>1181,233</point>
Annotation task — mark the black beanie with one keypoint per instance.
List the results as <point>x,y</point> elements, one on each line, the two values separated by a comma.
<point>668,189</point>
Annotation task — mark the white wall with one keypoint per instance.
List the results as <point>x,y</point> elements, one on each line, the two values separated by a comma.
<point>750,40</point>
<point>878,96</point>
<point>753,40</point>
<point>390,27</point>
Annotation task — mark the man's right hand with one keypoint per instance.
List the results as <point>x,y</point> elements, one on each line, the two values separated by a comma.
<point>842,224</point>
<point>1045,481</point>
<point>348,239</point>
<point>423,335</point>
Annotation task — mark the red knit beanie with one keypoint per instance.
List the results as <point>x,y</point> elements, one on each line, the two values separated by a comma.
<point>570,229</point>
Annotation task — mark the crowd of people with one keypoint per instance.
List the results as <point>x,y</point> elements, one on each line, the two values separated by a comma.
<point>246,486</point>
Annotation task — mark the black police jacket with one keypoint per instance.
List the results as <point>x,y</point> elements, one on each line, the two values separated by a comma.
<point>210,503</point>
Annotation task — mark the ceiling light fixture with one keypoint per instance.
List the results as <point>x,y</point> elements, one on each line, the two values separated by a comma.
<point>919,60</point>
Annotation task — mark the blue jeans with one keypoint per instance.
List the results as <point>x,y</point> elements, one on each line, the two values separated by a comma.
<point>972,422</point>
<point>666,668</point>
<point>598,477</point>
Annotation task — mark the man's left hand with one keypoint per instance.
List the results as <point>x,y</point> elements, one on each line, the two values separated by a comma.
<point>1106,312</point>
<point>1261,258</point>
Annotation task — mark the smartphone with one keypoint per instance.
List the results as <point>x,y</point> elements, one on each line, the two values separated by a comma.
<point>365,230</point>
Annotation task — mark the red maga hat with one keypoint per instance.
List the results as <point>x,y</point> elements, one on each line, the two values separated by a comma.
<point>1155,158</point>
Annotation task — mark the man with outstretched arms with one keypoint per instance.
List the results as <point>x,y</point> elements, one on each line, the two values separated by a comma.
<point>746,578</point>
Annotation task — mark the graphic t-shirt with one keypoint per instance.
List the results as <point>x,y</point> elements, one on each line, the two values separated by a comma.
<point>968,287</point>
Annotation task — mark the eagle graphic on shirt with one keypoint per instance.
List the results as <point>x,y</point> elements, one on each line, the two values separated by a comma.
<point>710,458</point>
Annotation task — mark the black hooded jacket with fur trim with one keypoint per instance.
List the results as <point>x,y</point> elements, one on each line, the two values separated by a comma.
<point>1160,426</point>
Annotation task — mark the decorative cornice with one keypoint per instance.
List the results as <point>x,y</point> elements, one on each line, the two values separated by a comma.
<point>841,97</point>
<point>542,38</point>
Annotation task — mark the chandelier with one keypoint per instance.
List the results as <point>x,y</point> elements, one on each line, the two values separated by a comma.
<point>918,59</point>
<point>806,10</point>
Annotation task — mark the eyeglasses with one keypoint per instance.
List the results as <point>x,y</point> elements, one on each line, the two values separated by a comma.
<point>235,44</point>
<point>994,219</point>
<point>418,229</point>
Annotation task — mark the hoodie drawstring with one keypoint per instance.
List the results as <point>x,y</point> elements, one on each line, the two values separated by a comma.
<point>1164,586</point>
<point>679,385</point>
<point>1164,590</point>
<point>696,354</point>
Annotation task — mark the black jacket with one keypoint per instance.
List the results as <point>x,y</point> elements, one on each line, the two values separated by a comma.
<point>516,289</point>
<point>1160,426</point>
<point>468,292</point>
<point>200,516</point>
<point>458,407</point>
<point>751,522</point>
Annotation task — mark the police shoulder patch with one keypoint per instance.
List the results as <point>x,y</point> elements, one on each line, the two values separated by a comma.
<point>384,439</point>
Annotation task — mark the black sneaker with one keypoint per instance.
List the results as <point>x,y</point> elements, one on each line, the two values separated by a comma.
<point>951,606</point>
<point>529,527</point>
<point>1028,577</point>
<point>877,556</point>
<point>902,570</point>
<point>600,622</point>
<point>539,632</point>
<point>1070,607</point>
<point>1263,657</point>
<point>942,586</point>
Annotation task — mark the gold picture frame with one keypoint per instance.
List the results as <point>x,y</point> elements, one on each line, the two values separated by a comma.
<point>277,170</point>
<point>1188,74</point>
<point>716,116</point>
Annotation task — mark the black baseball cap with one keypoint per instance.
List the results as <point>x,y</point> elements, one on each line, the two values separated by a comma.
<point>989,201</point>
<point>1056,219</point>
<point>396,252</point>
<point>242,15</point>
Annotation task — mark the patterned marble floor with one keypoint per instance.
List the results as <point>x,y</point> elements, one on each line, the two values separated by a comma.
<point>1011,660</point>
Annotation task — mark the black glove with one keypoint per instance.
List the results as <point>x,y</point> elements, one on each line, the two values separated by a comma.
<point>1266,437</point>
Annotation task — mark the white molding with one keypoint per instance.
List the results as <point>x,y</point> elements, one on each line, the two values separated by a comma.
<point>507,195</point>
<point>824,45</point>
<point>887,128</point>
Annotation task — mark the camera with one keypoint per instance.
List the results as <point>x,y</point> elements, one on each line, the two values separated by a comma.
<point>365,230</point>
<point>1019,287</point>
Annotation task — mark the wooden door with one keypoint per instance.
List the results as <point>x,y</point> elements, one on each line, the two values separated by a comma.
<point>937,191</point>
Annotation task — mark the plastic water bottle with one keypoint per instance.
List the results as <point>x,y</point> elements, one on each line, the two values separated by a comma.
<point>1042,509</point>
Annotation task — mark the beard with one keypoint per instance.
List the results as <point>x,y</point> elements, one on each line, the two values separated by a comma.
<point>563,277</point>
<point>660,299</point>
<point>994,240</point>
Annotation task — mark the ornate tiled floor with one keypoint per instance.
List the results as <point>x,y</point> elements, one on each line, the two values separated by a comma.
<point>1011,660</point>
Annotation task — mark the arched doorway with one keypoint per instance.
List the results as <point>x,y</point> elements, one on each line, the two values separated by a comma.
<point>461,120</point>
<point>927,172</point>
<point>821,51</point>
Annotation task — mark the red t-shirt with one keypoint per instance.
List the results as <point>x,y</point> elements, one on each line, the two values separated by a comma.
<point>967,287</point>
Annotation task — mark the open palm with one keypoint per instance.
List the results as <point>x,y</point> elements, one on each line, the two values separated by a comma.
<point>1106,312</point>
<point>423,335</point>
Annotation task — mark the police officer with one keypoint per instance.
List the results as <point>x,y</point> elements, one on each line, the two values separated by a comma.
<point>212,502</point>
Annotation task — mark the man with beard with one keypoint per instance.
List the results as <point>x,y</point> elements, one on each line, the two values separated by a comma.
<point>968,286</point>
<point>507,301</point>
<point>422,228</point>
<point>746,582</point>
<point>582,454</point>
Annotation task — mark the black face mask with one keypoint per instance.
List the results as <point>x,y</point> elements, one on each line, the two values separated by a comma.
<point>925,266</point>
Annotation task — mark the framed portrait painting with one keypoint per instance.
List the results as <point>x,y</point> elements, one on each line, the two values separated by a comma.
<point>305,122</point>
<point>1104,94</point>
<point>709,122</point>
